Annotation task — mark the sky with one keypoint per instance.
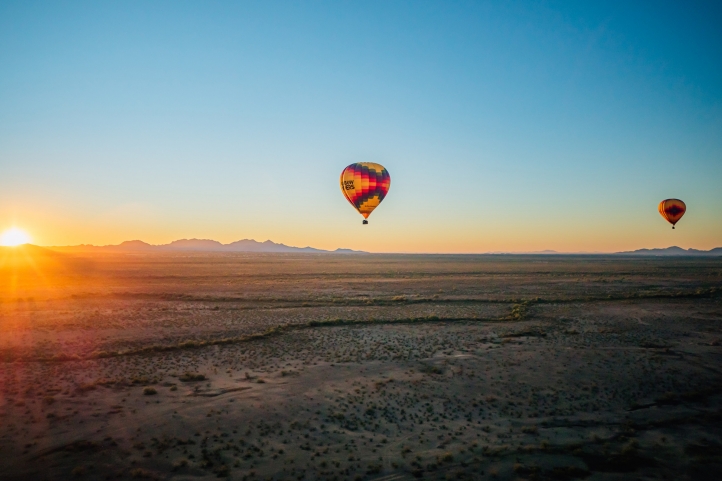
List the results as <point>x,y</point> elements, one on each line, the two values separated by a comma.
<point>505,126</point>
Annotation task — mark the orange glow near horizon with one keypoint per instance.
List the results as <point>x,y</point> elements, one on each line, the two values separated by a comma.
<point>27,270</point>
<point>393,230</point>
<point>14,237</point>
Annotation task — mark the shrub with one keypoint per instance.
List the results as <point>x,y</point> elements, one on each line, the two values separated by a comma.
<point>79,471</point>
<point>141,473</point>
<point>630,448</point>
<point>222,471</point>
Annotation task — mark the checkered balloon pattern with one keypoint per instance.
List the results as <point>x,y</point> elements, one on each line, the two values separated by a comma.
<point>365,185</point>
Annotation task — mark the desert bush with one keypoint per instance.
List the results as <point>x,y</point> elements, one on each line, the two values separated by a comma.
<point>519,311</point>
<point>86,387</point>
<point>222,471</point>
<point>79,470</point>
<point>430,369</point>
<point>568,472</point>
<point>630,448</point>
<point>140,473</point>
<point>149,391</point>
<point>523,469</point>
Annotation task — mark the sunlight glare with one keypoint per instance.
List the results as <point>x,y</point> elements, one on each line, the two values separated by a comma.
<point>14,237</point>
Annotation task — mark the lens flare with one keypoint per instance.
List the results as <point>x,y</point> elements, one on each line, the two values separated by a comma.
<point>14,237</point>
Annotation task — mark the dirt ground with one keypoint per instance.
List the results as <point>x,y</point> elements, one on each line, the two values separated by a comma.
<point>336,367</point>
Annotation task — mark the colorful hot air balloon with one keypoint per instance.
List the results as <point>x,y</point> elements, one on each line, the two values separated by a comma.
<point>672,210</point>
<point>365,185</point>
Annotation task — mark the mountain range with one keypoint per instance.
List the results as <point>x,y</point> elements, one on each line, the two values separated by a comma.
<point>250,245</point>
<point>674,251</point>
<point>204,245</point>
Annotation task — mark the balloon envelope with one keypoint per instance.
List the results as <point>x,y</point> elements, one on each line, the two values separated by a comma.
<point>672,210</point>
<point>365,185</point>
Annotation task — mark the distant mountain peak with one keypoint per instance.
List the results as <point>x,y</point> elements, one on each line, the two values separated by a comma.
<point>674,251</point>
<point>194,244</point>
<point>133,243</point>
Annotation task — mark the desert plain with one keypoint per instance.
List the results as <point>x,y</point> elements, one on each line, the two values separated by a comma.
<point>190,366</point>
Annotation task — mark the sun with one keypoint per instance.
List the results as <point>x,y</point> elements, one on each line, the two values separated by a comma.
<point>14,237</point>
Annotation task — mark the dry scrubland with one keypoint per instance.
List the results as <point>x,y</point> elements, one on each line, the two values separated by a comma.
<point>359,367</point>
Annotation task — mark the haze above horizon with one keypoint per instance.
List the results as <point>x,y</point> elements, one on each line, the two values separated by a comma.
<point>505,127</point>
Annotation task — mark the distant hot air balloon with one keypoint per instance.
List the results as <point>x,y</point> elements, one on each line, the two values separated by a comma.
<point>365,185</point>
<point>672,210</point>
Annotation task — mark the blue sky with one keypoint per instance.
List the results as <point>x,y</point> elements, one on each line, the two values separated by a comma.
<point>506,126</point>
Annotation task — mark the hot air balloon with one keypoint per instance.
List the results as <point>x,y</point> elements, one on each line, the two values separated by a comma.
<point>365,185</point>
<point>672,210</point>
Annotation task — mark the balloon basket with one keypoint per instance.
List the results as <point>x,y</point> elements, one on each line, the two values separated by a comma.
<point>365,222</point>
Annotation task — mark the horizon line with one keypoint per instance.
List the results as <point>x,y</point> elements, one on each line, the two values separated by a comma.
<point>546,252</point>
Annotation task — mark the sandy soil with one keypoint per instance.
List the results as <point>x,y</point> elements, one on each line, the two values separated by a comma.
<point>359,367</point>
